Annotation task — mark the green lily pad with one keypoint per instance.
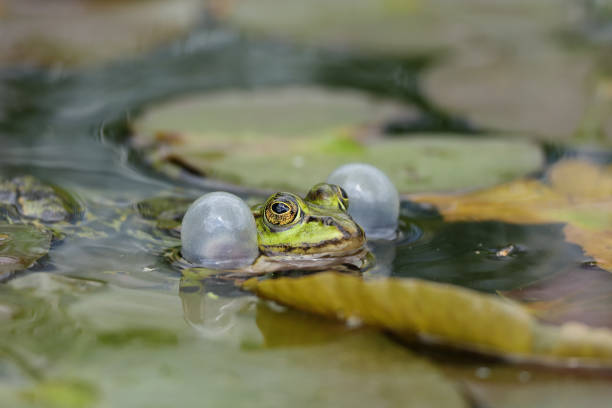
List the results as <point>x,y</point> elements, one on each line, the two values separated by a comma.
<point>233,368</point>
<point>540,90</point>
<point>81,32</point>
<point>293,138</point>
<point>596,124</point>
<point>61,394</point>
<point>35,200</point>
<point>21,246</point>
<point>506,386</point>
<point>394,26</point>
<point>166,211</point>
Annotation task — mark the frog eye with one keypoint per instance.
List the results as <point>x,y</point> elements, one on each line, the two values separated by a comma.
<point>281,211</point>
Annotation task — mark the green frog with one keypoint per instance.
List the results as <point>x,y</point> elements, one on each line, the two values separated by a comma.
<point>311,233</point>
<point>293,233</point>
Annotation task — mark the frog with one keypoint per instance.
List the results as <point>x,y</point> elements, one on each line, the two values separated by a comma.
<point>314,232</point>
<point>311,233</point>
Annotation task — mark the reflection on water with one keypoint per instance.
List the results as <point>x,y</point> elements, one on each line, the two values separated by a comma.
<point>219,318</point>
<point>245,322</point>
<point>466,254</point>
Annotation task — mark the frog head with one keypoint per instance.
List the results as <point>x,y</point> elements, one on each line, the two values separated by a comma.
<point>316,226</point>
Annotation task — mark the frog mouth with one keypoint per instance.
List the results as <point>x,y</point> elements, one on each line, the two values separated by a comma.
<point>356,259</point>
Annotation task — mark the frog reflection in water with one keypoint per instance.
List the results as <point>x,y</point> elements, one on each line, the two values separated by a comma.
<point>312,233</point>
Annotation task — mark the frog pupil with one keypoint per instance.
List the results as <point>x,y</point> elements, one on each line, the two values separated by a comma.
<point>280,208</point>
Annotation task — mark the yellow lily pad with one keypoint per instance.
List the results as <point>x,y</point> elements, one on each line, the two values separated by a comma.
<point>578,193</point>
<point>292,138</point>
<point>453,315</point>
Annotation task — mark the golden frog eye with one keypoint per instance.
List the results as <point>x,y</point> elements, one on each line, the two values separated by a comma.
<point>281,211</point>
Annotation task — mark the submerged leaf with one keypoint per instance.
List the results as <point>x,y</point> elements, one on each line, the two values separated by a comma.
<point>453,315</point>
<point>582,294</point>
<point>292,138</point>
<point>62,394</point>
<point>20,246</point>
<point>578,193</point>
<point>61,332</point>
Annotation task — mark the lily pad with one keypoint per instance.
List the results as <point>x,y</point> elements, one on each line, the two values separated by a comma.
<point>394,26</point>
<point>537,90</point>
<point>449,314</point>
<point>579,294</point>
<point>35,200</point>
<point>166,211</point>
<point>578,194</point>
<point>80,32</point>
<point>292,138</point>
<point>61,394</point>
<point>507,386</point>
<point>203,371</point>
<point>21,246</point>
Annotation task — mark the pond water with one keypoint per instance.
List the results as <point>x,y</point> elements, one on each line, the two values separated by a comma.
<point>103,320</point>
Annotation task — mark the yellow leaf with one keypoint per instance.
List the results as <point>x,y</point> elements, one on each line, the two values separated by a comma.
<point>445,313</point>
<point>597,244</point>
<point>581,180</point>
<point>408,306</point>
<point>578,194</point>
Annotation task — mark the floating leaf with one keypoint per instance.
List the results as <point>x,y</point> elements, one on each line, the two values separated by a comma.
<point>509,386</point>
<point>395,26</point>
<point>76,32</point>
<point>61,394</point>
<point>581,294</point>
<point>451,314</point>
<point>578,193</point>
<point>292,138</point>
<point>407,306</point>
<point>35,200</point>
<point>20,246</point>
<point>540,90</point>
<point>167,211</point>
<point>291,328</point>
